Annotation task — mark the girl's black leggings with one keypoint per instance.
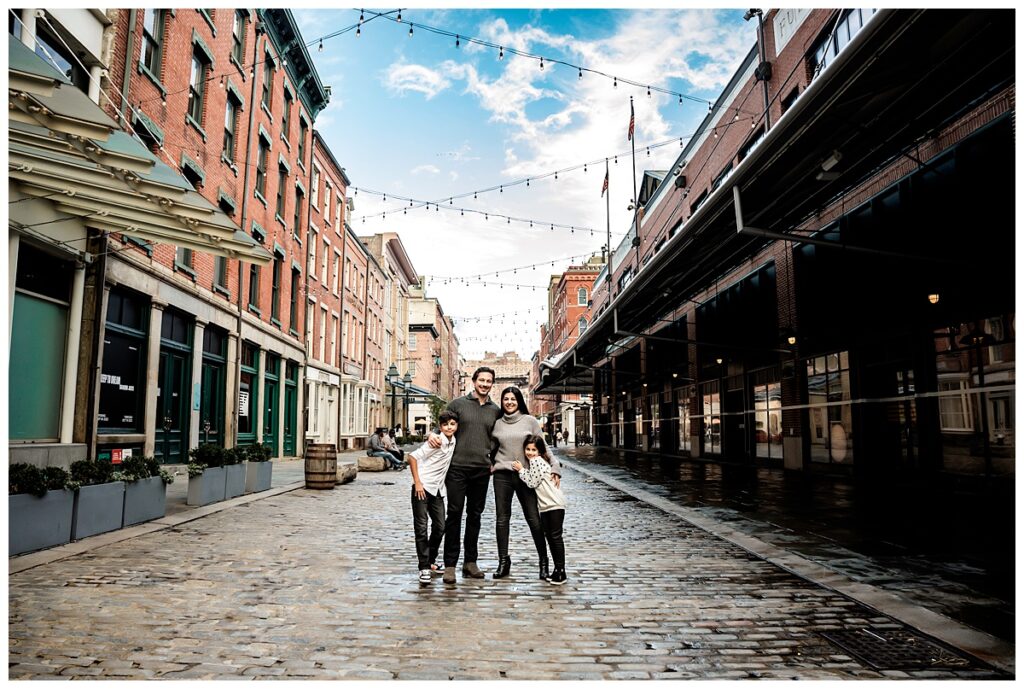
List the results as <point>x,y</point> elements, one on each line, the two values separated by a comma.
<point>551,522</point>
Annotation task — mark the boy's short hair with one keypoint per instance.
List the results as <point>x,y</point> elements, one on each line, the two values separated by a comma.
<point>447,416</point>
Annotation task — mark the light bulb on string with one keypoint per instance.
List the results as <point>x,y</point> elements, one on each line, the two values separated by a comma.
<point>736,117</point>
<point>361,17</point>
<point>410,29</point>
<point>501,53</point>
<point>581,72</point>
<point>399,15</point>
<point>709,106</point>
<point>752,123</point>
<point>648,91</point>
<point>358,32</point>
<point>320,48</point>
<point>615,82</point>
<point>527,181</point>
<point>456,40</point>
<point>542,64</point>
<point>680,99</point>
<point>584,167</point>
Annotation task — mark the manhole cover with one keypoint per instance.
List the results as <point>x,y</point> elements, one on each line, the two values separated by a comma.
<point>888,649</point>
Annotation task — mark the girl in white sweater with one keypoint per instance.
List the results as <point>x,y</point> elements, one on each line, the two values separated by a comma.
<point>550,500</point>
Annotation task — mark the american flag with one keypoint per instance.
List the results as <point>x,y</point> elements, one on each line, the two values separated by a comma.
<point>604,187</point>
<point>632,121</point>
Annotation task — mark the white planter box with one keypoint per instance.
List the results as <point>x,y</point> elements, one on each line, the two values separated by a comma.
<point>234,476</point>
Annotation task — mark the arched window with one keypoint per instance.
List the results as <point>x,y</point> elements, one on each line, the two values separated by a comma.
<point>581,297</point>
<point>582,324</point>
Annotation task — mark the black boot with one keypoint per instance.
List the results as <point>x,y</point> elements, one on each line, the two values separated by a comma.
<point>544,574</point>
<point>558,576</point>
<point>504,565</point>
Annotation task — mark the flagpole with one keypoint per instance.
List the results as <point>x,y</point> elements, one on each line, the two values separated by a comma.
<point>636,200</point>
<point>608,216</point>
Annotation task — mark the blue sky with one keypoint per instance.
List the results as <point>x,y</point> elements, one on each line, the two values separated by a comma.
<point>418,117</point>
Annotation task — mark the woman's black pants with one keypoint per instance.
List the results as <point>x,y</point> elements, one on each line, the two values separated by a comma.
<point>507,483</point>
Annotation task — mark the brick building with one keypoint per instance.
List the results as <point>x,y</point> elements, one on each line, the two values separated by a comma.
<point>509,370</point>
<point>213,93</point>
<point>802,293</point>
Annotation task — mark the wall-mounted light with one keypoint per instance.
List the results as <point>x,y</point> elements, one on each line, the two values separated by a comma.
<point>718,360</point>
<point>933,298</point>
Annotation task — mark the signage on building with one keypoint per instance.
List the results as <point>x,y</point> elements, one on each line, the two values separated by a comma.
<point>786,22</point>
<point>243,403</point>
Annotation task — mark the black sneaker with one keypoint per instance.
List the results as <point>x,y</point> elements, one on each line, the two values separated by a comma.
<point>558,576</point>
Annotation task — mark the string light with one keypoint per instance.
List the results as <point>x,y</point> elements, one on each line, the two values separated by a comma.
<point>581,73</point>
<point>358,32</point>
<point>648,91</point>
<point>501,53</point>
<point>320,49</point>
<point>542,64</point>
<point>399,14</point>
<point>410,29</point>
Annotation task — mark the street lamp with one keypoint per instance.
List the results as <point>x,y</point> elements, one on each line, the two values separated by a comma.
<point>407,379</point>
<point>392,378</point>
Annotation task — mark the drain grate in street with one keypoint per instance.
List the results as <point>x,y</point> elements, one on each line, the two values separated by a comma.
<point>889,649</point>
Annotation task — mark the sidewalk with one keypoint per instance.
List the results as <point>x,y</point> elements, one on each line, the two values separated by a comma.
<point>322,585</point>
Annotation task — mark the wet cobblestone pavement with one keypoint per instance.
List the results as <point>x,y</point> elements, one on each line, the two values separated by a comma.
<point>322,585</point>
<point>947,549</point>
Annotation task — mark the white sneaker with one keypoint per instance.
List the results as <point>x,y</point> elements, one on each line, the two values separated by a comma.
<point>424,576</point>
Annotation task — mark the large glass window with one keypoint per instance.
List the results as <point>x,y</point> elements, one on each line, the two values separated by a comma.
<point>831,44</point>
<point>712,418</point>
<point>254,286</point>
<point>38,344</point>
<point>197,86</point>
<point>293,306</point>
<point>282,184</point>
<point>123,375</point>
<point>230,124</point>
<point>152,39</point>
<point>830,416</point>
<point>286,116</point>
<point>261,167</point>
<point>268,79</point>
<point>238,37</point>
<point>767,413</point>
<point>275,298</point>
<point>248,393</point>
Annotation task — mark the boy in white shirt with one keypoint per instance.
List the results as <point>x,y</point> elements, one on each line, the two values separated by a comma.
<point>429,467</point>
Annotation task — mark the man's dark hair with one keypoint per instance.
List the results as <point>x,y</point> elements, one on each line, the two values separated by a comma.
<point>483,369</point>
<point>447,416</point>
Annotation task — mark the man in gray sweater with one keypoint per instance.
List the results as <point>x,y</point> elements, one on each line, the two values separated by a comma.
<point>469,474</point>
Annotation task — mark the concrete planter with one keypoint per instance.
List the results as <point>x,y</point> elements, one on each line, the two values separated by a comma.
<point>98,509</point>
<point>257,476</point>
<point>206,488</point>
<point>234,480</point>
<point>144,500</point>
<point>36,523</point>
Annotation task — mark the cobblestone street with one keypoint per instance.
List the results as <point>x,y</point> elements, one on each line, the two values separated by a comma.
<point>322,585</point>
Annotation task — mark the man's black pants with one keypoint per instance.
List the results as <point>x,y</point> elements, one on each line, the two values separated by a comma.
<point>467,489</point>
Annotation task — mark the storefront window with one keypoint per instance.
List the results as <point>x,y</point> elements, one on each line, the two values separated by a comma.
<point>767,413</point>
<point>830,414</point>
<point>122,378</point>
<point>248,394</point>
<point>683,406</point>
<point>712,420</point>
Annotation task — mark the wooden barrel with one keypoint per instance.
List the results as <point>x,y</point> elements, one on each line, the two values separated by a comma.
<point>321,466</point>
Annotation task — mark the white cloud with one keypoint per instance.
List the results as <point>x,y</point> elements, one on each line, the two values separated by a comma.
<point>453,175</point>
<point>428,169</point>
<point>401,78</point>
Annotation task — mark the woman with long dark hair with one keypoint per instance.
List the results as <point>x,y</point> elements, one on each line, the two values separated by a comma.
<point>509,433</point>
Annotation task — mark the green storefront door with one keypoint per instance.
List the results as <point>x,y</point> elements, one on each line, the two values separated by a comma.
<point>271,380</point>
<point>291,403</point>
<point>172,407</point>
<point>211,409</point>
<point>36,374</point>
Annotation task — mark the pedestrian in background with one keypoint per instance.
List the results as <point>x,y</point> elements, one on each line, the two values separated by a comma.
<point>392,446</point>
<point>509,432</point>
<point>429,467</point>
<point>376,449</point>
<point>550,500</point>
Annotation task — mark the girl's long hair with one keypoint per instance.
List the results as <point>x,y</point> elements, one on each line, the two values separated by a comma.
<point>519,399</point>
<point>538,442</point>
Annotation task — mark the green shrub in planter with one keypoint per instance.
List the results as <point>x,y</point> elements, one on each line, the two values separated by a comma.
<point>99,500</point>
<point>207,475</point>
<point>259,470</point>
<point>40,508</point>
<point>145,493</point>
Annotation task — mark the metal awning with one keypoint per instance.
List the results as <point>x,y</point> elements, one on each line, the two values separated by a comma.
<point>903,75</point>
<point>63,148</point>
